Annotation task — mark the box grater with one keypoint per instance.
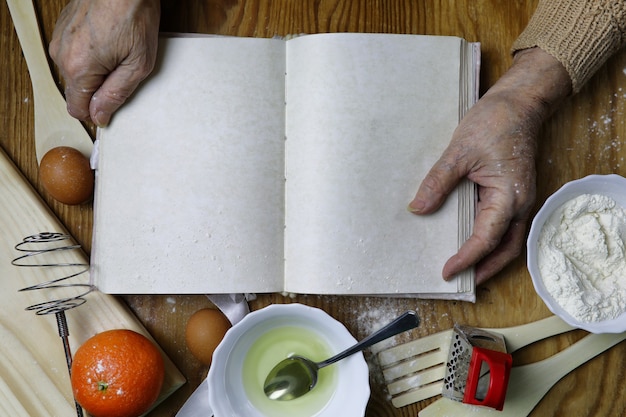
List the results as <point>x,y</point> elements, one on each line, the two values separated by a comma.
<point>478,367</point>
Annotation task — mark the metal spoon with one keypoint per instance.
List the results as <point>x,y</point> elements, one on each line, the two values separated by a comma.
<point>295,376</point>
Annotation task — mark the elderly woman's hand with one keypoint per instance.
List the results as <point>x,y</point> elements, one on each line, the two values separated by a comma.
<point>104,49</point>
<point>494,146</point>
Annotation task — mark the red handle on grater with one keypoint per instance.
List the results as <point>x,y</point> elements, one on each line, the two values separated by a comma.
<point>499,367</point>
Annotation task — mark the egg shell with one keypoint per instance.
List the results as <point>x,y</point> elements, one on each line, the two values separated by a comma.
<point>66,175</point>
<point>205,330</point>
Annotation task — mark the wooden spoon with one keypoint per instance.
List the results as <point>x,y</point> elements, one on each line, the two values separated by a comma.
<point>53,124</point>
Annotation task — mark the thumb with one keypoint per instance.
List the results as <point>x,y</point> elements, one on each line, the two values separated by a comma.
<point>442,178</point>
<point>114,92</point>
<point>78,94</point>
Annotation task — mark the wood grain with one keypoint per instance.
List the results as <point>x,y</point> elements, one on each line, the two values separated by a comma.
<point>585,136</point>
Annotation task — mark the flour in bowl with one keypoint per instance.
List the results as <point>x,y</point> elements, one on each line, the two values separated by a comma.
<point>582,257</point>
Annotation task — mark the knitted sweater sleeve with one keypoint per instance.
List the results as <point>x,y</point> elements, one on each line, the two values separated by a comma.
<point>581,34</point>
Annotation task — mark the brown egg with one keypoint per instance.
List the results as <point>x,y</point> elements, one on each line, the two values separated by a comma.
<point>205,330</point>
<point>66,175</point>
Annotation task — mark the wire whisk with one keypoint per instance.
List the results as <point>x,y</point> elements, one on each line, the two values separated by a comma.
<point>39,260</point>
<point>36,250</point>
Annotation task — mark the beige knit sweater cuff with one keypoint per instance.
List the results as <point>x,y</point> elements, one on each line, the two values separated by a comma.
<point>581,34</point>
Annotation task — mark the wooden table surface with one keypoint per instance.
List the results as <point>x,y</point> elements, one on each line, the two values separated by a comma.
<point>584,137</point>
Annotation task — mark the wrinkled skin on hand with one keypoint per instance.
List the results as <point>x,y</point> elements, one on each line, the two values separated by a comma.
<point>104,49</point>
<point>495,146</point>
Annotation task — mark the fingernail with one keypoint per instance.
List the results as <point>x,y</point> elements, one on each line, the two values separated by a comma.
<point>416,206</point>
<point>101,119</point>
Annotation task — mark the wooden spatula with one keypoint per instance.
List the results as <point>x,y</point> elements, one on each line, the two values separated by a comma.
<point>414,371</point>
<point>528,384</point>
<point>53,124</point>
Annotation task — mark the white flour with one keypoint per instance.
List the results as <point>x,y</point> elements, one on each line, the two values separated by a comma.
<point>582,257</point>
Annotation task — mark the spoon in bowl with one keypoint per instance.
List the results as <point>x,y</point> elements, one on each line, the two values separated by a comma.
<point>293,377</point>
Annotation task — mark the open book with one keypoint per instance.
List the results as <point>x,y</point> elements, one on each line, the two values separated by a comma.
<point>270,165</point>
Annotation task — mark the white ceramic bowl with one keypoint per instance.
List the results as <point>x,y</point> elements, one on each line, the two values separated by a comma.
<point>245,350</point>
<point>613,186</point>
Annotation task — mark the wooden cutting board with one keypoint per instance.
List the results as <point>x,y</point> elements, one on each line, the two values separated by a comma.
<point>34,379</point>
